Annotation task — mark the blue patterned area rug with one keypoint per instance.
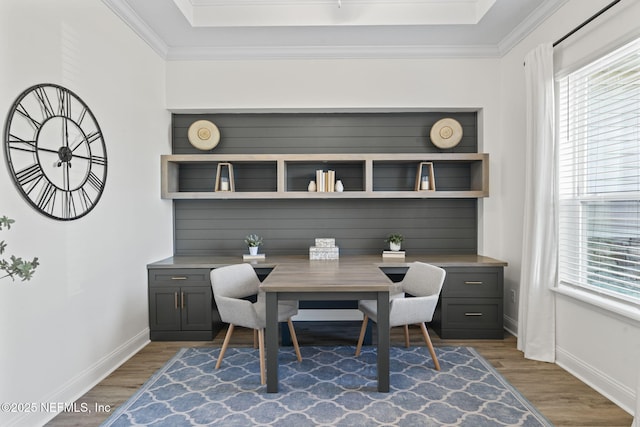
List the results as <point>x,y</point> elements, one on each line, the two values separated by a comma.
<point>330,387</point>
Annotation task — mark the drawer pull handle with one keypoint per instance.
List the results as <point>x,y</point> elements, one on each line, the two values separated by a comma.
<point>175,299</point>
<point>469,282</point>
<point>182,299</point>
<point>178,278</point>
<point>473,314</point>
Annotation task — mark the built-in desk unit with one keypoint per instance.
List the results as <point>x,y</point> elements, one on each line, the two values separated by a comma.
<point>181,306</point>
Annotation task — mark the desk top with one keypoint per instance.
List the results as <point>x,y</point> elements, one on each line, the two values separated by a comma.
<point>214,261</point>
<point>349,274</point>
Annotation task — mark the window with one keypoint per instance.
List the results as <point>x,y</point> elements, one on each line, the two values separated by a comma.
<point>599,175</point>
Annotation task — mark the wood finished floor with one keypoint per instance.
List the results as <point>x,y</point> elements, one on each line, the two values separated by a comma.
<point>562,398</point>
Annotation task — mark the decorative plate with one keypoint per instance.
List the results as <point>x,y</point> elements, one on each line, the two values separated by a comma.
<point>203,135</point>
<point>446,133</point>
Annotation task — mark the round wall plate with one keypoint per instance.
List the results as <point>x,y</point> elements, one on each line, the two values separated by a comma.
<point>203,135</point>
<point>446,133</point>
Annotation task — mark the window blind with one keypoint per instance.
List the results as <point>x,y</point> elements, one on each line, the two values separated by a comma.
<point>599,175</point>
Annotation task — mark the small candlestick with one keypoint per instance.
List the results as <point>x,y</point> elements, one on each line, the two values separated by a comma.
<point>224,184</point>
<point>424,185</point>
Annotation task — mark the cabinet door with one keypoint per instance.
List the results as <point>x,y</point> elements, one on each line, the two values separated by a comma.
<point>196,305</point>
<point>164,308</point>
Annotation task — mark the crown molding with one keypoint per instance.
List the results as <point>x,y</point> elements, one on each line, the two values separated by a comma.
<point>330,52</point>
<point>527,26</point>
<point>122,9</point>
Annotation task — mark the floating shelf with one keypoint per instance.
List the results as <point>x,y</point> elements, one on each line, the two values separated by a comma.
<point>286,176</point>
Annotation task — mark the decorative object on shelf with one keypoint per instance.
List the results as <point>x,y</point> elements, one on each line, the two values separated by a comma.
<point>49,129</point>
<point>393,254</point>
<point>325,181</point>
<point>339,186</point>
<point>224,177</point>
<point>446,133</point>
<point>324,249</point>
<point>395,241</point>
<point>203,135</point>
<point>253,241</point>
<point>312,186</point>
<point>17,267</point>
<point>425,178</point>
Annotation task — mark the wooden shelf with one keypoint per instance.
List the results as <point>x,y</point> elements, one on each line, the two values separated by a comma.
<point>285,176</point>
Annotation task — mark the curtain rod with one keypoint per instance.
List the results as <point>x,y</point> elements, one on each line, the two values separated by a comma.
<point>579,27</point>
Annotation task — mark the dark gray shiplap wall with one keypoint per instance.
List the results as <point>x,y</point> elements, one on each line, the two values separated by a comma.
<point>290,226</point>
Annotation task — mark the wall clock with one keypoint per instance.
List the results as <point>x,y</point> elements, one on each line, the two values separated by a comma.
<point>55,152</point>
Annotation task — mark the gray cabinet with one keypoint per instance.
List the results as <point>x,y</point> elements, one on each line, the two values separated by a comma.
<point>181,305</point>
<point>471,304</point>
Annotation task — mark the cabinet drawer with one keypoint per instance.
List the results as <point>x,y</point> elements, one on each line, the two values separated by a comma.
<point>472,313</point>
<point>485,283</point>
<point>178,277</point>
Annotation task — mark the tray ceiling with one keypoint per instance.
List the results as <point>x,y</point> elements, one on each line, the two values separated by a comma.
<point>317,29</point>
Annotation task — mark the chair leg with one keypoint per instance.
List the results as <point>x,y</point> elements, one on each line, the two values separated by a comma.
<point>261,347</point>
<point>363,329</point>
<point>406,336</point>
<point>427,340</point>
<point>294,339</point>
<point>225,344</point>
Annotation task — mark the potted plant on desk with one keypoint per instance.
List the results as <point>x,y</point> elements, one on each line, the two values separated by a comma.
<point>395,241</point>
<point>253,241</point>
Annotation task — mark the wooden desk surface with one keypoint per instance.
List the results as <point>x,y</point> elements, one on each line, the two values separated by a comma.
<point>441,260</point>
<point>349,274</point>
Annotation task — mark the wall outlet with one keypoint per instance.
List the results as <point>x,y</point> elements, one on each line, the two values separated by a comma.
<point>513,295</point>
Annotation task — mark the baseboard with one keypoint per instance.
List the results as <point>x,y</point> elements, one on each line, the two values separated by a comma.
<point>511,325</point>
<point>84,381</point>
<point>619,394</point>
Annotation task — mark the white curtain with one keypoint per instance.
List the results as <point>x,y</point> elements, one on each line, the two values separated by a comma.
<point>536,311</point>
<point>636,419</point>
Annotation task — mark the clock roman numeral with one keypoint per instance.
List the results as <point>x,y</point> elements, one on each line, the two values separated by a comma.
<point>93,136</point>
<point>95,182</point>
<point>47,197</point>
<point>99,160</point>
<point>81,116</point>
<point>85,200</point>
<point>29,174</point>
<point>45,104</point>
<point>68,205</point>
<point>34,123</point>
<point>17,143</point>
<point>64,102</point>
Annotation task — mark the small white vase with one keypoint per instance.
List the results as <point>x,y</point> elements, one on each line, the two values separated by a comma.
<point>339,186</point>
<point>253,250</point>
<point>394,246</point>
<point>312,186</point>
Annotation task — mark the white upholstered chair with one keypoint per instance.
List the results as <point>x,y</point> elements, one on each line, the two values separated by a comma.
<point>231,286</point>
<point>424,283</point>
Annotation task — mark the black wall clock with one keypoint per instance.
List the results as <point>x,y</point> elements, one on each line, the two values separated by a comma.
<point>55,152</point>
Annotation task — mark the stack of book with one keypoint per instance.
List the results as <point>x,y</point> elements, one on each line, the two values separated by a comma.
<point>392,254</point>
<point>325,181</point>
<point>325,249</point>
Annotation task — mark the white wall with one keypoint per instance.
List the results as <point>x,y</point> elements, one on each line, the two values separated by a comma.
<point>85,311</point>
<point>600,347</point>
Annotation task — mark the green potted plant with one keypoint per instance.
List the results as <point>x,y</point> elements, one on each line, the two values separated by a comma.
<point>253,241</point>
<point>395,241</point>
